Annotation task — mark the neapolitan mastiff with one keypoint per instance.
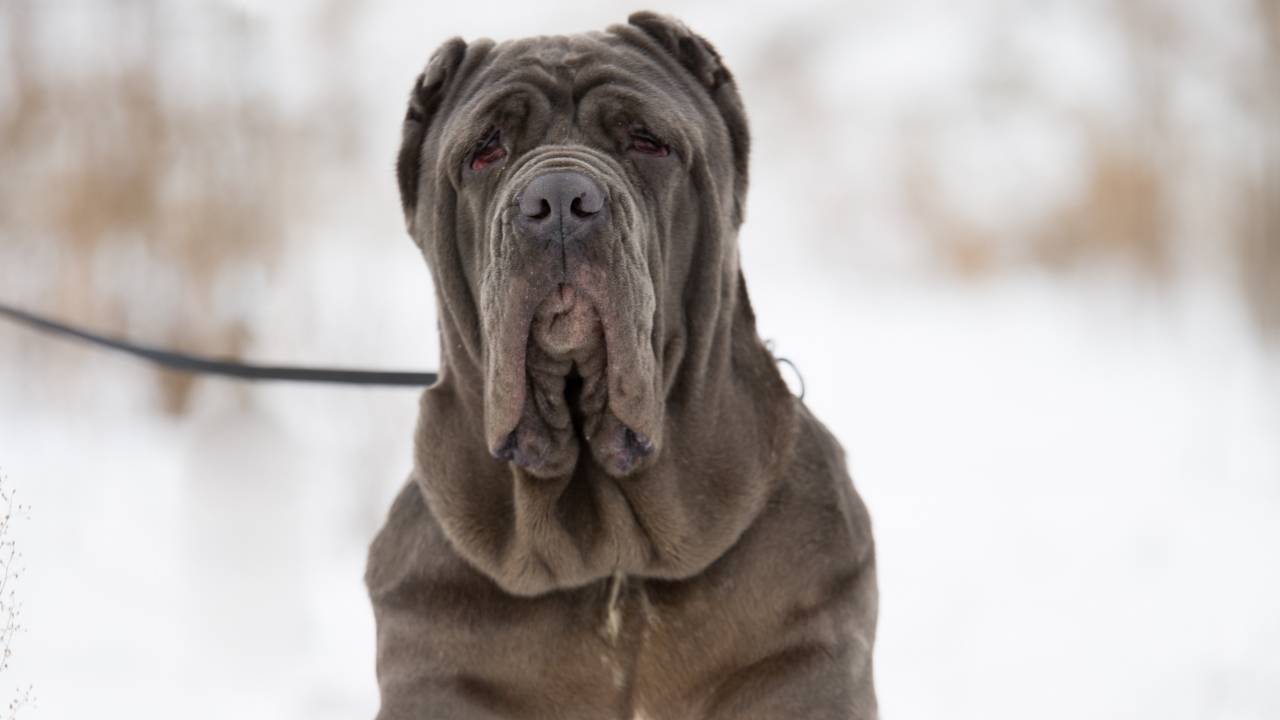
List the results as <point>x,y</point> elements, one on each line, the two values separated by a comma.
<point>618,509</point>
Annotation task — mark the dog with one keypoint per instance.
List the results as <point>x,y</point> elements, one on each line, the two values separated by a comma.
<point>617,508</point>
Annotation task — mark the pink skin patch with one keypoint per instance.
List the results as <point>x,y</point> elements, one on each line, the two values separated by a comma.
<point>487,157</point>
<point>566,335</point>
<point>563,326</point>
<point>646,146</point>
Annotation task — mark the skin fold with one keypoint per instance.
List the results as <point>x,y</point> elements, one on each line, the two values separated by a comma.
<point>617,509</point>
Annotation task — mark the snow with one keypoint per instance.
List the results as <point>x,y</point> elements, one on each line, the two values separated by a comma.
<point>1074,479</point>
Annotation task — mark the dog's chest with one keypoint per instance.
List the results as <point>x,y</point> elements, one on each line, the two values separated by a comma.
<point>623,625</point>
<point>664,643</point>
<point>628,628</point>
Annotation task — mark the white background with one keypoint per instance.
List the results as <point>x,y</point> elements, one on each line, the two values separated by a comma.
<point>1073,466</point>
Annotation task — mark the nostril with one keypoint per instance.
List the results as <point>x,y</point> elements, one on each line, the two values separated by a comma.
<point>582,209</point>
<point>591,199</point>
<point>544,210</point>
<point>534,203</point>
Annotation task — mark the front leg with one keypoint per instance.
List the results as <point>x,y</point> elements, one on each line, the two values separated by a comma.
<point>416,682</point>
<point>783,625</point>
<point>810,682</point>
<point>452,645</point>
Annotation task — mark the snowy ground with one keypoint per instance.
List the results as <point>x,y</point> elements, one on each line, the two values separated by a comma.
<point>1075,513</point>
<point>1075,481</point>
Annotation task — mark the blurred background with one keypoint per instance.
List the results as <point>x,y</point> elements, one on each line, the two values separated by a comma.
<point>1025,254</point>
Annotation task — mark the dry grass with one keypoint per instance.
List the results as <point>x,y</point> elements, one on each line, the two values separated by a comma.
<point>100,160</point>
<point>1127,214</point>
<point>1120,218</point>
<point>1258,232</point>
<point>1259,251</point>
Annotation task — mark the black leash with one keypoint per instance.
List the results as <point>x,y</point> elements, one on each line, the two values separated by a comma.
<point>226,368</point>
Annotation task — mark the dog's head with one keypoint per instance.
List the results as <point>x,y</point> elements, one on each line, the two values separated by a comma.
<point>578,200</point>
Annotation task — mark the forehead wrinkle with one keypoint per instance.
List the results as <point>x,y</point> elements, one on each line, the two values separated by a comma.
<point>505,64</point>
<point>667,74</point>
<point>565,65</point>
<point>555,58</point>
<point>572,72</point>
<point>484,104</point>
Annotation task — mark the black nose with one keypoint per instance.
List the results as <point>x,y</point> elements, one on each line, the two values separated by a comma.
<point>561,203</point>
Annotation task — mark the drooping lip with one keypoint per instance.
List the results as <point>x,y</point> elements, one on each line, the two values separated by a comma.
<point>505,389</point>
<point>631,370</point>
<point>560,301</point>
<point>623,435</point>
<point>512,358</point>
<point>565,324</point>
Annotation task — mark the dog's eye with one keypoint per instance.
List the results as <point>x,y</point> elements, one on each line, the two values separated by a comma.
<point>643,142</point>
<point>488,151</point>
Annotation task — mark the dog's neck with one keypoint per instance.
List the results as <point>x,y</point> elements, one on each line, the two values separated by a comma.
<point>728,427</point>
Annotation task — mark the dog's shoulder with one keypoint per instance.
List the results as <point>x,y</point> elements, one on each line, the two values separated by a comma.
<point>411,559</point>
<point>451,643</point>
<point>810,553</point>
<point>398,544</point>
<point>820,478</point>
<point>813,503</point>
<point>786,618</point>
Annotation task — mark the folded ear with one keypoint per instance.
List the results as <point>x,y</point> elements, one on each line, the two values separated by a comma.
<point>424,100</point>
<point>701,59</point>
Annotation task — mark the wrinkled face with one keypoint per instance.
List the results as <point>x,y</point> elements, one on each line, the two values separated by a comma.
<point>575,212</point>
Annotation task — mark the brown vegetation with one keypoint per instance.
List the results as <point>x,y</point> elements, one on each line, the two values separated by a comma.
<point>99,159</point>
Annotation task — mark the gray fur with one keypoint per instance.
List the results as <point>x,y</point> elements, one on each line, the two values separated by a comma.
<point>617,508</point>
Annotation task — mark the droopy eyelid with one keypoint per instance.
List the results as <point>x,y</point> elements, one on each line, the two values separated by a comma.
<point>489,135</point>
